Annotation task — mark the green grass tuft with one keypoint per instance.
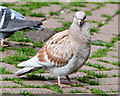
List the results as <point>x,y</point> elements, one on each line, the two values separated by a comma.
<point>98,92</point>
<point>32,14</point>
<point>19,37</point>
<point>77,4</point>
<point>102,52</point>
<point>75,10</point>
<point>98,66</point>
<point>37,44</point>
<point>77,91</point>
<point>86,79</point>
<point>88,13</point>
<point>53,13</point>
<point>92,73</point>
<point>4,71</point>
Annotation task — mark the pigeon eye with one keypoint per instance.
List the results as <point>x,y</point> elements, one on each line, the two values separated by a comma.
<point>84,18</point>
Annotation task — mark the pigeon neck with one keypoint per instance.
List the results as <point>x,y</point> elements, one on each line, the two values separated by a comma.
<point>79,33</point>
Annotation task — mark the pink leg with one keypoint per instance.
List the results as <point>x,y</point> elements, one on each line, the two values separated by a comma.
<point>70,81</point>
<point>2,43</point>
<point>61,85</point>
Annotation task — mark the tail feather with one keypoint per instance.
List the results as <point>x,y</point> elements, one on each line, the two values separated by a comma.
<point>26,70</point>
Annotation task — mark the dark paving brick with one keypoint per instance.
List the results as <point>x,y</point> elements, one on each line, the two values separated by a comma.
<point>38,36</point>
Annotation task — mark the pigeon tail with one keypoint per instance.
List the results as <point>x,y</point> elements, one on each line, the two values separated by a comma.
<point>27,70</point>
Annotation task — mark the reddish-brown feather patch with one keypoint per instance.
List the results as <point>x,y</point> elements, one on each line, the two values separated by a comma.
<point>58,46</point>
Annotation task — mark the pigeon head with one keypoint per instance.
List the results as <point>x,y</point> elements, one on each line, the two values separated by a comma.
<point>80,17</point>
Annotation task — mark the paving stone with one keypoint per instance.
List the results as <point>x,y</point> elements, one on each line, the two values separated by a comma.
<point>96,15</point>
<point>107,31</point>
<point>110,59</point>
<point>77,74</point>
<point>37,83</point>
<point>109,81</point>
<point>112,53</point>
<point>3,54</point>
<point>8,75</point>
<point>88,8</point>
<point>94,48</point>
<point>9,67</point>
<point>109,73</point>
<point>31,90</point>
<point>102,64</point>
<point>41,35</point>
<point>9,83</point>
<point>93,25</point>
<point>51,23</point>
<point>88,68</point>
<point>34,18</point>
<point>68,16</point>
<point>47,9</point>
<point>66,90</point>
<point>104,87</point>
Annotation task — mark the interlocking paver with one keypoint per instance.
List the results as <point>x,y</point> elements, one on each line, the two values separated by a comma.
<point>102,64</point>
<point>88,68</point>
<point>109,73</point>
<point>104,87</point>
<point>52,23</point>
<point>112,53</point>
<point>3,54</point>
<point>67,90</point>
<point>9,67</point>
<point>8,75</point>
<point>111,59</point>
<point>109,81</point>
<point>47,9</point>
<point>107,31</point>
<point>37,83</point>
<point>9,83</point>
<point>68,16</point>
<point>95,48</point>
<point>34,18</point>
<point>31,90</point>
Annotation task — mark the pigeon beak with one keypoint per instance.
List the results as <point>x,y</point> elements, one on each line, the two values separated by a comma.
<point>79,22</point>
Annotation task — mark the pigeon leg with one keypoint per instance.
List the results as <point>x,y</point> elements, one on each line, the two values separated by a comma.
<point>2,43</point>
<point>61,85</point>
<point>70,82</point>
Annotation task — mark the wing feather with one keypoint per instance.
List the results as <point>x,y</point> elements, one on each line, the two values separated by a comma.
<point>58,50</point>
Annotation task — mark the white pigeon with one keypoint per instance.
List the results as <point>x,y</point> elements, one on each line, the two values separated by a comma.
<point>11,21</point>
<point>64,53</point>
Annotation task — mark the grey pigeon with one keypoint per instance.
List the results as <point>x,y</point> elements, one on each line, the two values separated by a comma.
<point>12,21</point>
<point>64,53</point>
